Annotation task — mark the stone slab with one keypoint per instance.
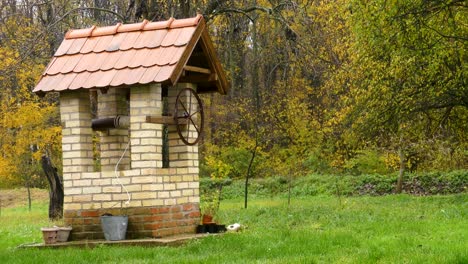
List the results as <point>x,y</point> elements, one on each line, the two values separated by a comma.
<point>147,242</point>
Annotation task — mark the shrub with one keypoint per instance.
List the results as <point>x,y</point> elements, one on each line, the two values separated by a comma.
<point>367,162</point>
<point>437,183</point>
<point>374,184</point>
<point>367,184</point>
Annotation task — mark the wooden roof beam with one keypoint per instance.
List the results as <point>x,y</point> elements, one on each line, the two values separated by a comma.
<point>199,78</point>
<point>197,69</point>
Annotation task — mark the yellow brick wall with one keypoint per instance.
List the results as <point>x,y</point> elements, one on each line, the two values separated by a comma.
<point>142,175</point>
<point>112,142</point>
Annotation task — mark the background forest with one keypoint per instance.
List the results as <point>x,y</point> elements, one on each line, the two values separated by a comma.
<point>318,86</point>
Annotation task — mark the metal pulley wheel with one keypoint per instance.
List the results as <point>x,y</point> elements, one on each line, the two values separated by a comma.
<point>188,116</point>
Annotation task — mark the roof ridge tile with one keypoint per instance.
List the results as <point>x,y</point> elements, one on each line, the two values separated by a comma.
<point>132,27</point>
<point>159,24</point>
<point>79,33</point>
<point>145,25</point>
<point>102,31</point>
<point>186,22</point>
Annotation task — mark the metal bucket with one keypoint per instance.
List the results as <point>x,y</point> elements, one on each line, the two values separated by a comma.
<point>114,227</point>
<point>63,233</point>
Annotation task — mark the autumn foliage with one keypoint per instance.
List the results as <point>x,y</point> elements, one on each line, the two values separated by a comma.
<point>347,86</point>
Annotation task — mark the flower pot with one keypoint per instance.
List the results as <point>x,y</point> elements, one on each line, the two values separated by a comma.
<point>114,227</point>
<point>207,219</point>
<point>211,228</point>
<point>63,233</point>
<point>49,234</point>
<point>201,229</point>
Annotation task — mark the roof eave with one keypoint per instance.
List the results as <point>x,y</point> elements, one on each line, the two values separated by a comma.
<point>201,34</point>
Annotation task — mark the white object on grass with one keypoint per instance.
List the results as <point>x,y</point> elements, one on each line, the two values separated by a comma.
<point>234,227</point>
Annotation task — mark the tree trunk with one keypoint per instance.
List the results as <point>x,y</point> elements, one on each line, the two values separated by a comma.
<point>184,6</point>
<point>56,189</point>
<point>289,188</point>
<point>29,196</point>
<point>401,174</point>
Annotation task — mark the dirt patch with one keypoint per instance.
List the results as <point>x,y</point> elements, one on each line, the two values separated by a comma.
<point>19,197</point>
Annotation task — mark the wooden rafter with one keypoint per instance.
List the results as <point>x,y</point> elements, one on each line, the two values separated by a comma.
<point>197,69</point>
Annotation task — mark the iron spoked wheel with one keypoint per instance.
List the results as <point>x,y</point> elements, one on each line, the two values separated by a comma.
<point>188,116</point>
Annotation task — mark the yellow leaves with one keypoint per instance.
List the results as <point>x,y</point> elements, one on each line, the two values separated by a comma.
<point>24,127</point>
<point>7,172</point>
<point>392,161</point>
<point>220,170</point>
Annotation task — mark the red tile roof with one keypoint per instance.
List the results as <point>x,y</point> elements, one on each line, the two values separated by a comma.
<point>129,54</point>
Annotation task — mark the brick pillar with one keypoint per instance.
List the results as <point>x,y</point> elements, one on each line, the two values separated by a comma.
<point>181,155</point>
<point>183,158</point>
<point>113,141</point>
<point>77,146</point>
<point>145,138</point>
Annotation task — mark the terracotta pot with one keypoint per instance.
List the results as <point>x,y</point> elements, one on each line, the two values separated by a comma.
<point>207,219</point>
<point>49,234</point>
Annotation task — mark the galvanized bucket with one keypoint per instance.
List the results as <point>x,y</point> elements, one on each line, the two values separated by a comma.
<point>114,227</point>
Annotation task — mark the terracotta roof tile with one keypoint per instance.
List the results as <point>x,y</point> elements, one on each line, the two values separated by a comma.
<point>150,74</point>
<point>85,63</point>
<point>128,54</point>
<point>119,77</point>
<point>158,38</point>
<point>64,46</point>
<point>116,42</point>
<point>57,66</point>
<point>153,57</point>
<point>138,58</point>
<point>51,62</point>
<point>79,81</point>
<point>145,39</point>
<point>164,74</point>
<point>111,60</point>
<point>89,45</point>
<point>64,64</point>
<point>96,61</point>
<point>124,59</point>
<point>105,77</point>
<point>167,55</point>
<point>55,81</point>
<point>129,40</point>
<point>76,46</point>
<point>171,37</point>
<point>95,78</point>
<point>70,63</point>
<point>177,55</point>
<point>184,36</point>
<point>103,44</point>
<point>134,76</point>
<point>66,80</point>
<point>42,84</point>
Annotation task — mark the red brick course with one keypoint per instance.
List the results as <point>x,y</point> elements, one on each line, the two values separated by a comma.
<point>143,222</point>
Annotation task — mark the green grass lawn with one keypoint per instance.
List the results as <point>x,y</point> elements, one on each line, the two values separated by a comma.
<point>389,229</point>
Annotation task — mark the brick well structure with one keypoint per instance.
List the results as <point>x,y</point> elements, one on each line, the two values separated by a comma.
<point>131,72</point>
